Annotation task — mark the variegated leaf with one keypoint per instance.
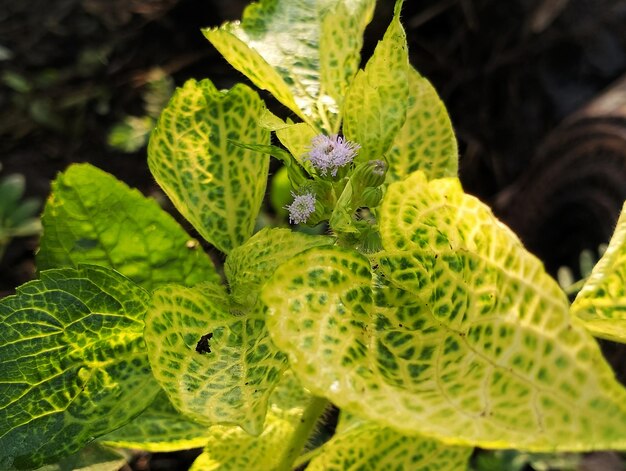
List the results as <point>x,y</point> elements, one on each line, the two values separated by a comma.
<point>252,264</point>
<point>463,336</point>
<point>231,449</point>
<point>426,141</point>
<point>367,446</point>
<point>73,363</point>
<point>297,139</point>
<point>217,186</point>
<point>375,107</point>
<point>216,366</point>
<point>601,303</point>
<point>304,52</point>
<point>159,428</point>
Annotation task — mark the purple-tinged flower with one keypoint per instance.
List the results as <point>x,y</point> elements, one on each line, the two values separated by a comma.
<point>329,153</point>
<point>302,207</point>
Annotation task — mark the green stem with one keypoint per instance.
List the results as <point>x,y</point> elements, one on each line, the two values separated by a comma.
<point>308,456</point>
<point>302,433</point>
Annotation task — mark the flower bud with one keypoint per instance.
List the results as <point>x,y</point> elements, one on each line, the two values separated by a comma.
<point>371,197</point>
<point>370,174</point>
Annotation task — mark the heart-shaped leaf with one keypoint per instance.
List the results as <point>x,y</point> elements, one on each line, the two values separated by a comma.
<point>216,366</point>
<point>216,185</point>
<point>463,336</point>
<point>73,364</point>
<point>92,217</point>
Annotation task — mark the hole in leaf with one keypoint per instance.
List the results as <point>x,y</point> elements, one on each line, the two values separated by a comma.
<point>203,344</point>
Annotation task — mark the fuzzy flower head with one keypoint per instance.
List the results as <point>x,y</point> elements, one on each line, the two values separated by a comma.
<point>302,207</point>
<point>329,153</point>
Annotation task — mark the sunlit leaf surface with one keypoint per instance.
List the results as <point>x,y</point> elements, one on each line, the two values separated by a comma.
<point>367,446</point>
<point>304,52</point>
<point>462,335</point>
<point>375,107</point>
<point>215,184</point>
<point>91,217</point>
<point>426,141</point>
<point>73,363</point>
<point>252,264</point>
<point>217,366</point>
<point>231,449</point>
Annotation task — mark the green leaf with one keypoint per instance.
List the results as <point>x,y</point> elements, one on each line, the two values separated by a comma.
<point>369,446</point>
<point>73,364</point>
<point>216,366</point>
<point>159,428</point>
<point>426,141</point>
<point>463,337</point>
<point>93,457</point>
<point>375,107</point>
<point>231,449</point>
<point>601,303</point>
<point>250,265</point>
<point>304,52</point>
<point>92,217</point>
<point>217,186</point>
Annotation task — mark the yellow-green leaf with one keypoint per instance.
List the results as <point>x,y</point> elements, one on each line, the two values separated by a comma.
<point>341,40</point>
<point>367,446</point>
<point>250,265</point>
<point>512,367</point>
<point>426,141</point>
<point>463,337</point>
<point>73,364</point>
<point>601,303</point>
<point>375,107</point>
<point>231,449</point>
<point>297,139</point>
<point>159,428</point>
<point>91,217</point>
<point>215,365</point>
<point>217,186</point>
<point>304,52</point>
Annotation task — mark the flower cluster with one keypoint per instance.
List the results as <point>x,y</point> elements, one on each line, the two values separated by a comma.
<point>302,207</point>
<point>329,153</point>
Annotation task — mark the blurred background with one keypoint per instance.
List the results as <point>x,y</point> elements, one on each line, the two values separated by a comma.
<point>536,90</point>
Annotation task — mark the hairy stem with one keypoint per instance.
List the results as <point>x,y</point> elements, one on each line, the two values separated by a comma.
<point>307,424</point>
<point>306,457</point>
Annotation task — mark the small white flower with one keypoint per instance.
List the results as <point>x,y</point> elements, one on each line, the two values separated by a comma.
<point>329,153</point>
<point>302,207</point>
